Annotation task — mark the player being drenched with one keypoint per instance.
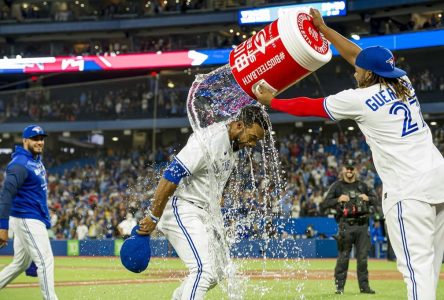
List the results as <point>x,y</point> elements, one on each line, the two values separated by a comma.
<point>181,199</point>
<point>387,111</point>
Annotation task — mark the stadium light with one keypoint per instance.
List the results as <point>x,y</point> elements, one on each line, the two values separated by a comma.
<point>271,13</point>
<point>355,36</point>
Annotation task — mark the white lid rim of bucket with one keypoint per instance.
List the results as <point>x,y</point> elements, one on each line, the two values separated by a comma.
<point>315,57</point>
<point>296,45</point>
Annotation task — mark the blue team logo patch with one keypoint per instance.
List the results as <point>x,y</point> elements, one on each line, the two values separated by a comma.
<point>37,129</point>
<point>226,165</point>
<point>391,61</point>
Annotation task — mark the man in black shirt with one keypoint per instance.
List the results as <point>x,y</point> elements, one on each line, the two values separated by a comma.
<point>353,202</point>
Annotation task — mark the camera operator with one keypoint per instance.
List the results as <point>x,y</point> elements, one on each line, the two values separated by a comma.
<point>353,202</point>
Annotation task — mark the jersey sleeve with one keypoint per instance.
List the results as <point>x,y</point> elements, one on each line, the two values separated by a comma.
<point>191,157</point>
<point>15,176</point>
<point>301,106</point>
<point>344,105</point>
<point>175,172</point>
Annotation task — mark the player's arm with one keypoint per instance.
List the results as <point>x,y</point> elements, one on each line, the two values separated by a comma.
<point>15,176</point>
<point>346,48</point>
<point>300,106</point>
<point>165,189</point>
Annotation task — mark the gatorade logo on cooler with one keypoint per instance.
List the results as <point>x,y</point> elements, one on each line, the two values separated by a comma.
<point>311,34</point>
<point>259,41</point>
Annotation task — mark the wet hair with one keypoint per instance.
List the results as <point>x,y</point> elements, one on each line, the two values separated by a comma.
<point>254,114</point>
<point>398,85</point>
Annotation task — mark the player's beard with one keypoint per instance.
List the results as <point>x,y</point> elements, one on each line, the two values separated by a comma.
<point>351,178</point>
<point>360,83</point>
<point>236,144</point>
<point>35,150</point>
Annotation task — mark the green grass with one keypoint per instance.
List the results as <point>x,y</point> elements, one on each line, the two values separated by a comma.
<point>82,269</point>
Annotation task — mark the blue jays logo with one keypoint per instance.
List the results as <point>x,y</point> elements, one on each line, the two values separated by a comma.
<point>226,165</point>
<point>391,61</point>
<point>37,129</point>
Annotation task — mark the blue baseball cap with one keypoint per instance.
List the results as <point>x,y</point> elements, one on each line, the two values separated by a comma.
<point>380,61</point>
<point>32,131</point>
<point>135,253</point>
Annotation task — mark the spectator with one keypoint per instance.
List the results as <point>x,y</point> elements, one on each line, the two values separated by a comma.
<point>82,230</point>
<point>126,226</point>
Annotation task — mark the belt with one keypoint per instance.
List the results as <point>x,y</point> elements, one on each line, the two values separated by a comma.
<point>188,201</point>
<point>193,204</point>
<point>355,221</point>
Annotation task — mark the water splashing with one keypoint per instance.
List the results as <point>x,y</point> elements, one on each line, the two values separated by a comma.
<point>252,192</point>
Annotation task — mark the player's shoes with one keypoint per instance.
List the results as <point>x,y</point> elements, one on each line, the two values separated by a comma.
<point>367,291</point>
<point>339,291</point>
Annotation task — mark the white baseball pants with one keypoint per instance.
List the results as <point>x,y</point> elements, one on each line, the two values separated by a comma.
<point>183,225</point>
<point>31,243</point>
<point>416,231</point>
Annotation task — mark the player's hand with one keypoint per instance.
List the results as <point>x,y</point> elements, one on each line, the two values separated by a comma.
<point>318,21</point>
<point>343,198</point>
<point>263,94</point>
<point>364,197</point>
<point>3,237</point>
<point>146,226</point>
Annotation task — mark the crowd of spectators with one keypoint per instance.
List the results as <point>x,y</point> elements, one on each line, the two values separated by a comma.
<point>104,199</point>
<point>83,10</point>
<point>98,10</point>
<point>128,100</point>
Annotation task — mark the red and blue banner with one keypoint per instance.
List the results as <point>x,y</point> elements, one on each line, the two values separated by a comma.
<point>185,59</point>
<point>115,62</point>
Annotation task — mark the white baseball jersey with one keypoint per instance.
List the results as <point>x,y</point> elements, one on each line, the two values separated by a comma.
<point>409,164</point>
<point>196,187</point>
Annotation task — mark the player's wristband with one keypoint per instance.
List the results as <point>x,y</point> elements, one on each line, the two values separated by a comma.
<point>153,217</point>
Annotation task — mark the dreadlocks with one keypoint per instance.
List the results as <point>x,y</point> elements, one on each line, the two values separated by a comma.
<point>398,85</point>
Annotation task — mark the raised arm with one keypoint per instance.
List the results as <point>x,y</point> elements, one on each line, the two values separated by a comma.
<point>346,48</point>
<point>300,106</point>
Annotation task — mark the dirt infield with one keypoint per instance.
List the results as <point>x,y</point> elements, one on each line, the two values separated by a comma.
<point>161,276</point>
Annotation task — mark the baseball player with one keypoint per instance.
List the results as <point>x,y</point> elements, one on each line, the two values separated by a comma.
<point>388,113</point>
<point>23,208</point>
<point>180,205</point>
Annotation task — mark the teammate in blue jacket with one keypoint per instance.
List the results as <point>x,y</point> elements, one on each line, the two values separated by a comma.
<point>23,207</point>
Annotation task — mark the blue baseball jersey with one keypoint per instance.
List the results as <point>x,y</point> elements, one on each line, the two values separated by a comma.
<point>24,192</point>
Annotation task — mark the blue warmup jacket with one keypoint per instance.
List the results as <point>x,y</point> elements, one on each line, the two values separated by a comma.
<point>24,189</point>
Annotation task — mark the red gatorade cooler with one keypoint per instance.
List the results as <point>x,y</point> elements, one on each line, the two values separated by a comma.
<point>281,54</point>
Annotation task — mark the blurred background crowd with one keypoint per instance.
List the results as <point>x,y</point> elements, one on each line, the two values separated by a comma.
<point>104,198</point>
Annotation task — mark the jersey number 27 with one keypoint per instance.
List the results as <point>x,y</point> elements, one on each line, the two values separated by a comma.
<point>408,126</point>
